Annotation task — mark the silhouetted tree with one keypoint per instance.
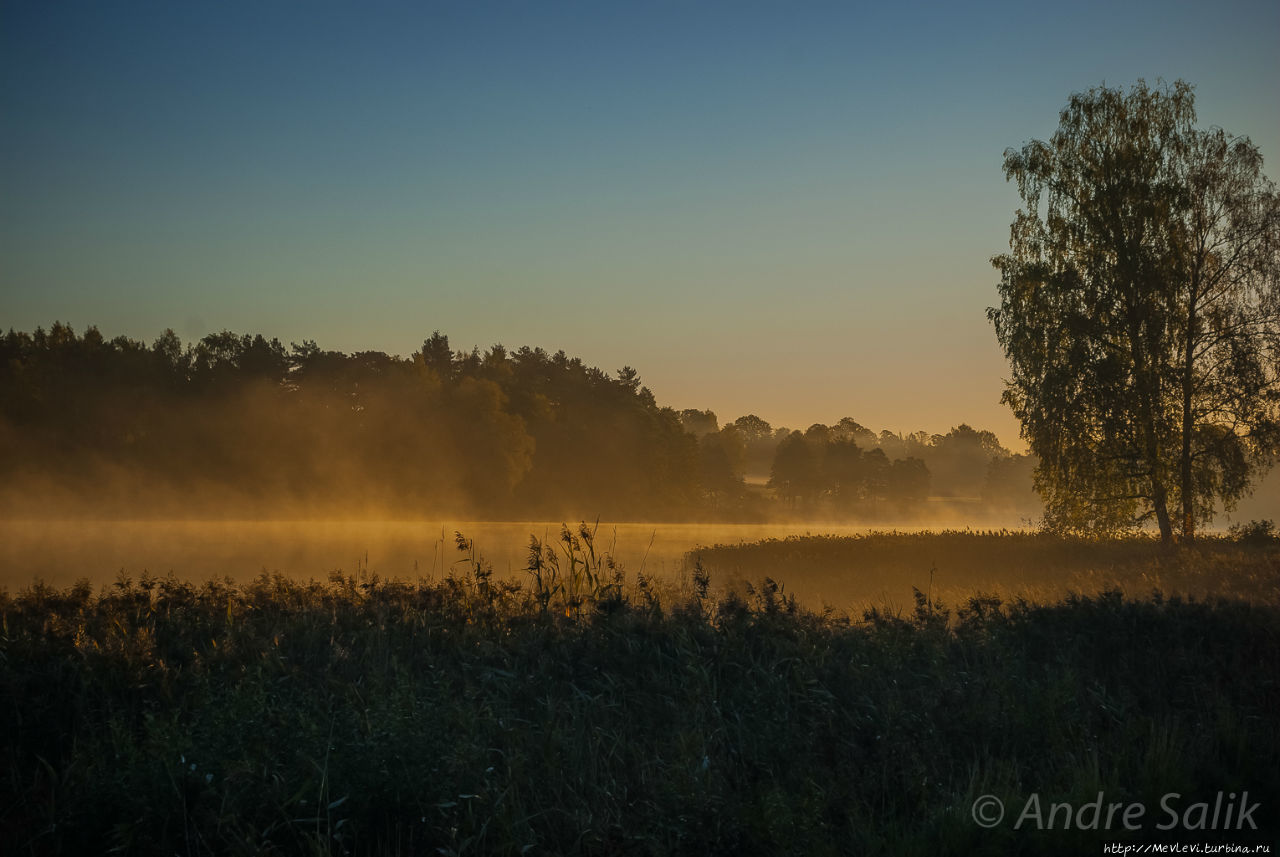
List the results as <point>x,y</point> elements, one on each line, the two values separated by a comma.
<point>1009,484</point>
<point>760,441</point>
<point>437,356</point>
<point>908,482</point>
<point>1140,311</point>
<point>698,423</point>
<point>735,449</point>
<point>715,471</point>
<point>874,467</point>
<point>753,429</point>
<point>892,445</point>
<point>958,459</point>
<point>794,473</point>
<point>844,472</point>
<point>850,429</point>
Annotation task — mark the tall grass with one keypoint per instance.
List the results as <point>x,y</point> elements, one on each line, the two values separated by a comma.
<point>879,568</point>
<point>582,710</point>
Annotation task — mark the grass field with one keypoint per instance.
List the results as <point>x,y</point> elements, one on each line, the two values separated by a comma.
<point>880,569</point>
<point>584,710</point>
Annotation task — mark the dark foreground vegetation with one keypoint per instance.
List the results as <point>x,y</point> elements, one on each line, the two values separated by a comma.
<point>584,713</point>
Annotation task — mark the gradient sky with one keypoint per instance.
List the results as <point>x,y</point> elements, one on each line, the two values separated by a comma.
<point>784,208</point>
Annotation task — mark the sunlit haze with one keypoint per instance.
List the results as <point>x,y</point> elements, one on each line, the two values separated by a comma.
<point>539,427</point>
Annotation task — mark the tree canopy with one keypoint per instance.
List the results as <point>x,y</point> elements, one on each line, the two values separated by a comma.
<point>241,424</point>
<point>1140,312</point>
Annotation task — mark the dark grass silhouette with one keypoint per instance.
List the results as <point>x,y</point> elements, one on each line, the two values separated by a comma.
<point>586,711</point>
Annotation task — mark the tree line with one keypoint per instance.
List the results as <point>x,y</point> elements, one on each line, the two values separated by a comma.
<point>239,424</point>
<point>846,469</point>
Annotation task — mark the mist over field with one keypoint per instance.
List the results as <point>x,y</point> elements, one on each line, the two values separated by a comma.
<point>716,428</point>
<point>235,455</point>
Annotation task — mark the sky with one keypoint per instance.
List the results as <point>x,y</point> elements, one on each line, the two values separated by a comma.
<point>779,208</point>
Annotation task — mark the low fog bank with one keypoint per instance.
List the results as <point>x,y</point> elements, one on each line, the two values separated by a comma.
<point>61,552</point>
<point>848,567</point>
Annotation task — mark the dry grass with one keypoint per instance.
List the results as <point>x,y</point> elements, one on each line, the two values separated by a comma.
<point>880,569</point>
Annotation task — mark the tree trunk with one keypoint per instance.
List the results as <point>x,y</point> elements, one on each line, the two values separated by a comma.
<point>1159,493</point>
<point>1147,387</point>
<point>1160,500</point>
<point>1187,486</point>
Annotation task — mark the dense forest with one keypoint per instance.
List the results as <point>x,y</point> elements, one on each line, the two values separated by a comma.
<point>240,425</point>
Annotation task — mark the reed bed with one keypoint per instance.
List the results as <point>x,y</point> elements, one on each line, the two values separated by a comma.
<point>583,709</point>
<point>880,569</point>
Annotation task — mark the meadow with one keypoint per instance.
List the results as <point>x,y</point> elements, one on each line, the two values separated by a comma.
<point>583,708</point>
<point>61,551</point>
<point>879,569</point>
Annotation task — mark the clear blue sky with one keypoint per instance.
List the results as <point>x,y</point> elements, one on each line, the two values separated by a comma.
<point>784,207</point>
